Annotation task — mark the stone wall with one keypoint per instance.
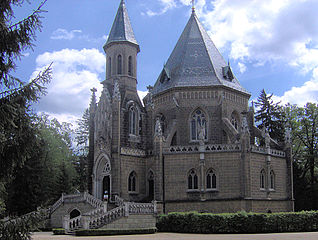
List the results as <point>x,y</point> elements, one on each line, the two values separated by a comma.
<point>133,222</point>
<point>65,208</point>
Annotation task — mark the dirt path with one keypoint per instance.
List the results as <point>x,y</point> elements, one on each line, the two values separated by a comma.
<point>175,236</point>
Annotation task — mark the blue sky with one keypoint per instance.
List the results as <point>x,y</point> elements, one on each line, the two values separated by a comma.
<point>271,44</point>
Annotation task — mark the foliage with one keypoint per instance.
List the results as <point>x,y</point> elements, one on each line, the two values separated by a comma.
<point>270,116</point>
<point>81,140</point>
<point>47,173</point>
<point>20,228</point>
<point>17,135</point>
<point>303,122</point>
<point>240,222</point>
<point>108,232</point>
<point>58,231</point>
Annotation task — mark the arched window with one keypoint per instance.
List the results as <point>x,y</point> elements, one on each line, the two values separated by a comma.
<point>198,125</point>
<point>130,66</point>
<point>132,179</point>
<point>211,180</point>
<point>133,120</point>
<point>119,65</point>
<point>262,179</point>
<point>192,180</point>
<point>109,66</point>
<point>272,180</point>
<point>234,121</point>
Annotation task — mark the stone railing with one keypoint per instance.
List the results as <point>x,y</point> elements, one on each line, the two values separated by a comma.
<point>73,224</point>
<point>100,217</point>
<point>95,202</point>
<point>277,153</point>
<point>108,217</point>
<point>205,148</point>
<point>142,208</point>
<point>57,204</point>
<point>119,201</point>
<point>273,152</point>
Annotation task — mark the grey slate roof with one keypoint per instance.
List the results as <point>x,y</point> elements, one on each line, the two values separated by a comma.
<point>195,61</point>
<point>121,30</point>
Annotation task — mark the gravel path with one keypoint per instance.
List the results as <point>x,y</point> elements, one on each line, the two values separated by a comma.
<point>175,236</point>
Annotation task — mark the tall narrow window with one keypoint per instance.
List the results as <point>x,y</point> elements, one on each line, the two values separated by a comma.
<point>109,66</point>
<point>133,120</point>
<point>130,66</point>
<point>234,121</point>
<point>198,126</point>
<point>132,179</point>
<point>211,180</point>
<point>272,180</point>
<point>119,65</point>
<point>262,179</point>
<point>192,180</point>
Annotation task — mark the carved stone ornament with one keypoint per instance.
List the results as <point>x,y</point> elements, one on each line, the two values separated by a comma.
<point>245,128</point>
<point>158,128</point>
<point>288,135</point>
<point>116,93</point>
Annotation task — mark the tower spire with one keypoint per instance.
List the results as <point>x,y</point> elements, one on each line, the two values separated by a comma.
<point>193,7</point>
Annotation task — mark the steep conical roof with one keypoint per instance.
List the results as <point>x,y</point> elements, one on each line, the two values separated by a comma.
<point>121,30</point>
<point>195,61</point>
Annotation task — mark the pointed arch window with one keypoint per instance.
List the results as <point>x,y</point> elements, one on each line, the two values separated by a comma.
<point>109,66</point>
<point>272,180</point>
<point>211,180</point>
<point>262,179</point>
<point>132,180</point>
<point>133,120</point>
<point>130,66</point>
<point>119,65</point>
<point>198,125</point>
<point>234,121</point>
<point>192,180</point>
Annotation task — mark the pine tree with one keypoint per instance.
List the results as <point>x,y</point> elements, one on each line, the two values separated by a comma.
<point>270,116</point>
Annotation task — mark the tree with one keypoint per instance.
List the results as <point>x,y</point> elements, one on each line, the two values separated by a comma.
<point>16,132</point>
<point>304,124</point>
<point>81,139</point>
<point>270,116</point>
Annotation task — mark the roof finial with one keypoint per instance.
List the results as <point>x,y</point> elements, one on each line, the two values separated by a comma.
<point>193,8</point>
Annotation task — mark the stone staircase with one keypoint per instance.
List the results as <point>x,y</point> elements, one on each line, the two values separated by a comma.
<point>100,216</point>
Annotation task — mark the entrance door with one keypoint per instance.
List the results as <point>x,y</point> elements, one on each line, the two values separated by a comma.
<point>106,188</point>
<point>151,189</point>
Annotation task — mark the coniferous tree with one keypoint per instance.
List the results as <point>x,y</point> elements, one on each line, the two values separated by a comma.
<point>270,116</point>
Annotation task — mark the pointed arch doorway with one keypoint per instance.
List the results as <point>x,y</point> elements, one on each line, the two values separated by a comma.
<point>106,188</point>
<point>151,186</point>
<point>102,187</point>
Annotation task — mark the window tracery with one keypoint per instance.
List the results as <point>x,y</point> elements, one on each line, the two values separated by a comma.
<point>198,126</point>
<point>211,179</point>
<point>132,179</point>
<point>192,180</point>
<point>262,179</point>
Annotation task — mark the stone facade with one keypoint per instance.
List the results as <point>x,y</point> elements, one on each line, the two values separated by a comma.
<point>190,145</point>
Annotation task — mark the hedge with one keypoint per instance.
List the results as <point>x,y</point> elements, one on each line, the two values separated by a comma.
<point>241,222</point>
<point>58,231</point>
<point>107,232</point>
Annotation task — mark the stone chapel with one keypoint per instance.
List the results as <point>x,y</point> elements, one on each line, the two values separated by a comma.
<point>190,143</point>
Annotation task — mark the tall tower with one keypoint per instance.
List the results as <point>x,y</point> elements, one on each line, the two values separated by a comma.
<point>121,50</point>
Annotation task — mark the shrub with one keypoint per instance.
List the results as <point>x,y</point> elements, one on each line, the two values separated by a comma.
<point>58,231</point>
<point>107,232</point>
<point>240,222</point>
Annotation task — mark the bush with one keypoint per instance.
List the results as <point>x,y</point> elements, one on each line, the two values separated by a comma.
<point>240,222</point>
<point>107,232</point>
<point>58,231</point>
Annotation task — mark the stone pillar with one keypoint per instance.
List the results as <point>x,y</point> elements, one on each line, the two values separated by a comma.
<point>66,223</point>
<point>126,206</point>
<point>85,221</point>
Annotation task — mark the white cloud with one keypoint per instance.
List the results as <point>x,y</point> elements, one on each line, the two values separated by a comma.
<point>166,5</point>
<point>308,92</point>
<point>75,72</point>
<point>64,34</point>
<point>242,67</point>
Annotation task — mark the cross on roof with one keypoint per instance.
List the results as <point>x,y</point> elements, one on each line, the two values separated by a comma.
<point>193,8</point>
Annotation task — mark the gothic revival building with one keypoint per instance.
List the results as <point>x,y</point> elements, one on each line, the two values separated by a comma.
<point>190,145</point>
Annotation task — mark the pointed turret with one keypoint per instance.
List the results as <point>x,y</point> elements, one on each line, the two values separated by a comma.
<point>195,61</point>
<point>121,30</point>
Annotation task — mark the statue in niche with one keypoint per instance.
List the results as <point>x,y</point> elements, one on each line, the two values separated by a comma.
<point>158,128</point>
<point>202,132</point>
